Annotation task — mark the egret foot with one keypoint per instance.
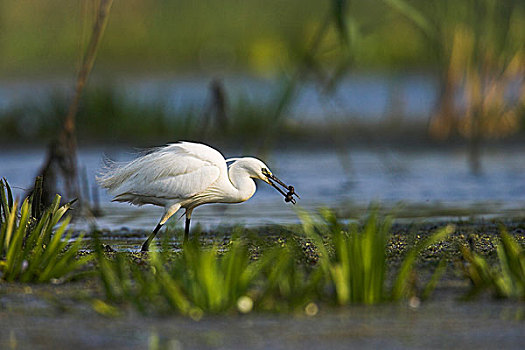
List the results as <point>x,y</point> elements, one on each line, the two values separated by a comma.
<point>145,246</point>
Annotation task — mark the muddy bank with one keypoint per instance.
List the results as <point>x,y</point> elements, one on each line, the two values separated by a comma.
<point>482,236</point>
<point>65,315</point>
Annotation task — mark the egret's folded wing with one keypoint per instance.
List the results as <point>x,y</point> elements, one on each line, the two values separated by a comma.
<point>176,171</point>
<point>197,150</point>
<point>180,186</point>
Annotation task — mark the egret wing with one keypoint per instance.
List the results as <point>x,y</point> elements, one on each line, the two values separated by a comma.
<point>179,186</point>
<point>179,170</point>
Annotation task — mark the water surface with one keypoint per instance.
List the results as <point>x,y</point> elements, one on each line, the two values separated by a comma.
<point>424,182</point>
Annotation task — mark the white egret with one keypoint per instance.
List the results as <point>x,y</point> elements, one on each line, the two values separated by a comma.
<point>186,175</point>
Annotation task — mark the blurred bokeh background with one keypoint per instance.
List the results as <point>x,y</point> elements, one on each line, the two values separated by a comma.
<point>420,102</point>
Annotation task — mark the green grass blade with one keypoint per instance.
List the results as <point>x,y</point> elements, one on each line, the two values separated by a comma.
<point>5,207</point>
<point>170,288</point>
<point>14,259</point>
<point>55,246</point>
<point>401,282</point>
<point>10,227</point>
<point>436,276</point>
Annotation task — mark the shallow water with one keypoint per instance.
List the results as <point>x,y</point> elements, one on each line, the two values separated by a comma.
<point>426,183</point>
<point>434,325</point>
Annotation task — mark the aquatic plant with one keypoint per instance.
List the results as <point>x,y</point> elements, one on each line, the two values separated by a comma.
<point>214,283</point>
<point>32,249</point>
<point>284,283</point>
<point>507,279</point>
<point>197,280</point>
<point>208,280</point>
<point>356,270</point>
<point>351,268</point>
<point>144,288</point>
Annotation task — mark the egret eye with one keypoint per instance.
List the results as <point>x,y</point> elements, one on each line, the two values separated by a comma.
<point>265,172</point>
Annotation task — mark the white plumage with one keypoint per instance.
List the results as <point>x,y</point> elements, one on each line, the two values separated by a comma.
<point>186,175</point>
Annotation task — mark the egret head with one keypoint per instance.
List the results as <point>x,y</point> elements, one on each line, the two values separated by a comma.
<point>255,168</point>
<point>258,170</point>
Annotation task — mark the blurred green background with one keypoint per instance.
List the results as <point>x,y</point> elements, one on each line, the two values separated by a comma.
<point>470,52</point>
<point>144,37</point>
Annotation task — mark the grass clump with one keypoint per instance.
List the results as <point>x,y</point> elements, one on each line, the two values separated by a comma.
<point>211,282</point>
<point>355,271</point>
<point>506,279</point>
<point>201,280</point>
<point>31,249</point>
<point>284,283</point>
<point>191,283</point>
<point>351,268</point>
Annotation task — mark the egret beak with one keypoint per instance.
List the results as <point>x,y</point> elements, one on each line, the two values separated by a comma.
<point>288,197</point>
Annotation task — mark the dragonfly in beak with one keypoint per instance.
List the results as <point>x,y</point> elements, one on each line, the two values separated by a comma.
<point>288,196</point>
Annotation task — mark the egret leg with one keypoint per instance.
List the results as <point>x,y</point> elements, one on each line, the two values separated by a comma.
<point>145,246</point>
<point>187,230</point>
<point>187,226</point>
<point>169,211</point>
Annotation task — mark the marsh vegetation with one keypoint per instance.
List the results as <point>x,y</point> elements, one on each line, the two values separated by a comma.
<point>323,267</point>
<point>321,261</point>
<point>338,88</point>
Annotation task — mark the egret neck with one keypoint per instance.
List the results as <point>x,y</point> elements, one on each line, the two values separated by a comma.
<point>243,185</point>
